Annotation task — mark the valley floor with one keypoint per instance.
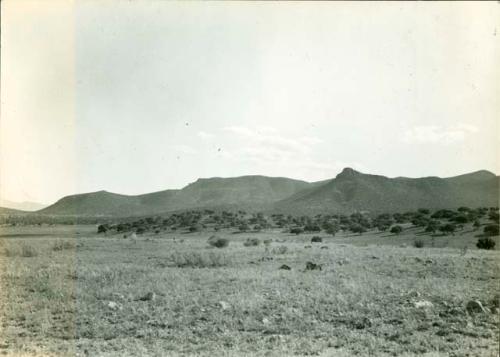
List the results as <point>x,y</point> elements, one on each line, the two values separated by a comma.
<point>173,295</point>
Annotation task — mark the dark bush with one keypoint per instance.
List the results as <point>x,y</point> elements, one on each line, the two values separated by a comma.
<point>485,243</point>
<point>418,243</point>
<point>296,230</point>
<point>396,229</point>
<point>316,239</point>
<point>491,230</point>
<point>102,228</point>
<point>218,242</point>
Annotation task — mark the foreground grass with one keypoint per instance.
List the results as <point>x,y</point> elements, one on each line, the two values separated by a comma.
<point>90,297</point>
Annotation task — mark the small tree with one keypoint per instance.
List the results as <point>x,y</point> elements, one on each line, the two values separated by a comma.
<point>491,230</point>
<point>396,229</point>
<point>448,228</point>
<point>357,228</point>
<point>102,228</point>
<point>485,243</point>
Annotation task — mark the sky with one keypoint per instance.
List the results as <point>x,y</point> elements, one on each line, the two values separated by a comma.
<point>140,96</point>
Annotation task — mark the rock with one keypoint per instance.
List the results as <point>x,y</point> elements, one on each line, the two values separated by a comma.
<point>324,247</point>
<point>414,294</point>
<point>224,305</point>
<point>313,266</point>
<point>266,321</point>
<point>148,297</point>
<point>422,304</point>
<point>285,267</point>
<point>113,305</point>
<point>307,246</point>
<point>475,306</point>
<point>343,261</point>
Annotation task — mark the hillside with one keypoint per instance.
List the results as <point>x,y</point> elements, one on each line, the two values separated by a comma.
<point>246,192</point>
<point>349,191</point>
<point>354,191</point>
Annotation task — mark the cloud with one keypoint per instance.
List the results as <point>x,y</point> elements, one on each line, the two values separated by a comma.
<point>203,135</point>
<point>184,149</point>
<point>268,138</point>
<point>433,134</point>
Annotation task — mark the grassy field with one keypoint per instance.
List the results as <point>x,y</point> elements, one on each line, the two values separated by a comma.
<point>68,291</point>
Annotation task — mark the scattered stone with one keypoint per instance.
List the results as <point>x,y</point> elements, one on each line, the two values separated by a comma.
<point>375,257</point>
<point>285,267</point>
<point>429,261</point>
<point>475,306</point>
<point>343,261</point>
<point>307,246</point>
<point>423,304</point>
<point>148,297</point>
<point>113,305</point>
<point>224,305</point>
<point>414,294</point>
<point>316,239</point>
<point>324,247</point>
<point>313,266</point>
<point>266,321</point>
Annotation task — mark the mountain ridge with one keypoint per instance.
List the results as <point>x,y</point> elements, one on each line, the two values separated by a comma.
<point>349,191</point>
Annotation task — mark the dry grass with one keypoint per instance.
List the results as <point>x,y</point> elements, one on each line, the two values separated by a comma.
<point>64,302</point>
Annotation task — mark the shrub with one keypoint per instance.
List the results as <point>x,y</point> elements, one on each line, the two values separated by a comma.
<point>194,228</point>
<point>447,228</point>
<point>62,245</point>
<point>140,230</point>
<point>200,260</point>
<point>28,251</point>
<point>316,239</point>
<point>218,242</point>
<point>485,243</point>
<point>296,230</point>
<point>491,230</point>
<point>396,229</point>
<point>357,228</point>
<point>102,228</point>
<point>251,242</point>
<point>418,243</point>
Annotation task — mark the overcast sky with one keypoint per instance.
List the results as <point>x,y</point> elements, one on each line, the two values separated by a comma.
<point>140,96</point>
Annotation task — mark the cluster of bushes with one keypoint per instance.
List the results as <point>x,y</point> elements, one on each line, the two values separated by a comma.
<point>443,221</point>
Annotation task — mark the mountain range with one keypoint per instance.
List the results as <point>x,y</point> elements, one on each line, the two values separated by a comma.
<point>348,192</point>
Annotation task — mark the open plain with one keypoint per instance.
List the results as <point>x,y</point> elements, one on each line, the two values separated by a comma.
<point>68,291</point>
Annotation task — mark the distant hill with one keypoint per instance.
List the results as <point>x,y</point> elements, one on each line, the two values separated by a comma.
<point>23,206</point>
<point>10,211</point>
<point>348,192</point>
<point>353,191</point>
<point>246,192</point>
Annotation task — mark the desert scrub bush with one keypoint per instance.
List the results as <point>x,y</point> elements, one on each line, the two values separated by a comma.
<point>60,244</point>
<point>218,242</point>
<point>485,243</point>
<point>280,250</point>
<point>200,260</point>
<point>418,243</point>
<point>251,242</point>
<point>296,230</point>
<point>28,251</point>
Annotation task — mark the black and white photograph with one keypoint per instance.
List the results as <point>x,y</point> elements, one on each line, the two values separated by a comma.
<point>249,178</point>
